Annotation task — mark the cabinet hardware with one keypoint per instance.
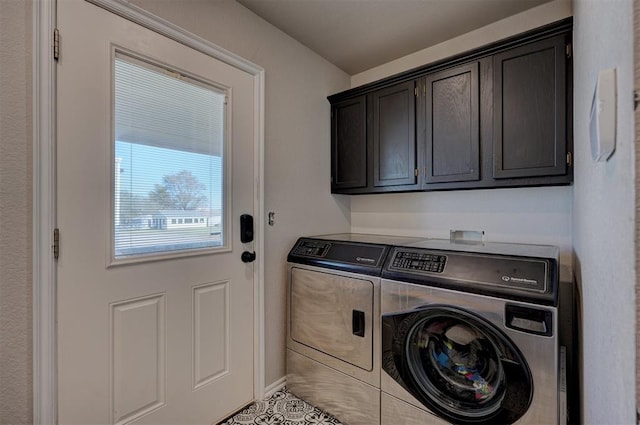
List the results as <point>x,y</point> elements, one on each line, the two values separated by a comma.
<point>56,44</point>
<point>56,243</point>
<point>416,172</point>
<point>569,159</point>
<point>568,50</point>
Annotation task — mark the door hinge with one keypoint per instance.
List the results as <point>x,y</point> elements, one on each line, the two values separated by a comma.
<point>568,50</point>
<point>56,44</point>
<point>56,243</point>
<point>569,159</point>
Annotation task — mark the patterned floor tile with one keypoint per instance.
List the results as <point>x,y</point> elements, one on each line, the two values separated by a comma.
<point>282,408</point>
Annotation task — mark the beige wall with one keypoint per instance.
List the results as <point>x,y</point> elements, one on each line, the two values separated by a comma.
<point>297,155</point>
<point>604,219</point>
<point>530,19</point>
<point>528,215</point>
<point>15,212</point>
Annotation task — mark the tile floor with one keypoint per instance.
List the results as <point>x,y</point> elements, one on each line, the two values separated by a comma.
<point>282,408</point>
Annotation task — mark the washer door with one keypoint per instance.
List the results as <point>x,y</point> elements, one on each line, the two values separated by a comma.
<point>460,366</point>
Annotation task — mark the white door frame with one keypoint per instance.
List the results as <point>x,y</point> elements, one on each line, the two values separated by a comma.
<point>44,191</point>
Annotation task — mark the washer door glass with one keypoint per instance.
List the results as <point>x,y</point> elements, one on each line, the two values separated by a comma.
<point>465,367</point>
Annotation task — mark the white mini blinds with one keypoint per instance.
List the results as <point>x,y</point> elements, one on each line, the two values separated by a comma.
<point>168,152</point>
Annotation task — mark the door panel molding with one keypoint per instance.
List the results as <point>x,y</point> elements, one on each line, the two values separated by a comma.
<point>210,362</point>
<point>44,192</point>
<point>137,346</point>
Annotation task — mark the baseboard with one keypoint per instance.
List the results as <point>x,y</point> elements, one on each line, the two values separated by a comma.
<point>275,387</point>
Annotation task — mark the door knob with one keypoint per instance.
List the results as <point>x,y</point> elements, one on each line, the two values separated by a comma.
<point>248,257</point>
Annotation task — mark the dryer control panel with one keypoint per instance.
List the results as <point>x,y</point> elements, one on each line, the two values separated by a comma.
<point>311,248</point>
<point>357,257</point>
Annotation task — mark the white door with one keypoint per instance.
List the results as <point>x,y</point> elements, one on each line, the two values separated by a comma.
<point>155,307</point>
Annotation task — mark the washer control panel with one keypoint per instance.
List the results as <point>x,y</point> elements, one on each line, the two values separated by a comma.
<point>418,261</point>
<point>485,273</point>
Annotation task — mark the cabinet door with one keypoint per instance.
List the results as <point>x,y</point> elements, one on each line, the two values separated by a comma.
<point>452,127</point>
<point>349,144</point>
<point>530,110</point>
<point>393,135</point>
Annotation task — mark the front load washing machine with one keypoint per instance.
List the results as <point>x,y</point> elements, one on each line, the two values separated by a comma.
<point>470,335</point>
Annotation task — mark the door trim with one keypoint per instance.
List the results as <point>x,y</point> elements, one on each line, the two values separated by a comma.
<point>44,219</point>
<point>44,193</point>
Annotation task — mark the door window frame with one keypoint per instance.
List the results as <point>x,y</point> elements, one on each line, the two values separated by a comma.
<point>226,220</point>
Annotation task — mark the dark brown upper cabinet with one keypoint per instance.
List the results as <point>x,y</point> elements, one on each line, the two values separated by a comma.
<point>392,136</point>
<point>497,116</point>
<point>452,125</point>
<point>530,122</point>
<point>349,144</point>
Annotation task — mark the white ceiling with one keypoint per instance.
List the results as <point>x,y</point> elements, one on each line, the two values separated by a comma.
<point>357,35</point>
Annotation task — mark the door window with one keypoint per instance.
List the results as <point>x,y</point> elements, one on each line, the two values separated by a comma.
<point>169,162</point>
